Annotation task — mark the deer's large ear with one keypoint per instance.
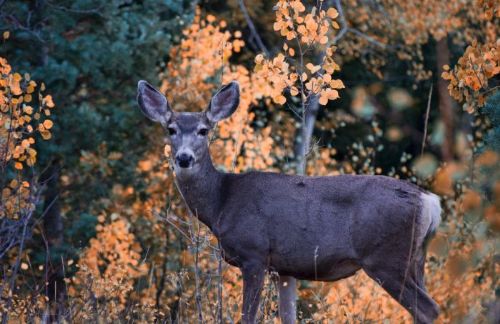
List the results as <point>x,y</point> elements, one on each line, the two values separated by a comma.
<point>152,103</point>
<point>224,102</point>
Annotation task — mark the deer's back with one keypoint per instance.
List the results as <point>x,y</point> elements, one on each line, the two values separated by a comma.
<point>303,224</point>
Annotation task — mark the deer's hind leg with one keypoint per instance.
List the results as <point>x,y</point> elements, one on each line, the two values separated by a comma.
<point>418,270</point>
<point>406,291</point>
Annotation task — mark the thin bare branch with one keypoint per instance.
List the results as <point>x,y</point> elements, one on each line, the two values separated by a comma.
<point>367,38</point>
<point>253,30</point>
<point>346,29</point>
<point>426,119</point>
<point>95,11</point>
<point>343,22</point>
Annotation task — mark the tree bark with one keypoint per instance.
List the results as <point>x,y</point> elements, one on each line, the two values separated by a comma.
<point>288,285</point>
<point>445,101</point>
<point>304,134</point>
<point>53,228</point>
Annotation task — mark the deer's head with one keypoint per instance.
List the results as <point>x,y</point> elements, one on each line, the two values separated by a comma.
<point>187,132</point>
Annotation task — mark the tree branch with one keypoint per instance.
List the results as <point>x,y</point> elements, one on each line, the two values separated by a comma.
<point>253,30</point>
<point>346,29</point>
<point>426,119</point>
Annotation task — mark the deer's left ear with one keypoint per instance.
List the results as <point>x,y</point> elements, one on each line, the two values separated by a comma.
<point>224,102</point>
<point>152,103</point>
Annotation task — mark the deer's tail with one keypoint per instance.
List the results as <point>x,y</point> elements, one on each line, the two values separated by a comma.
<point>430,217</point>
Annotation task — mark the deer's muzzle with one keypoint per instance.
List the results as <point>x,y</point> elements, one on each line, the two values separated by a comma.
<point>184,160</point>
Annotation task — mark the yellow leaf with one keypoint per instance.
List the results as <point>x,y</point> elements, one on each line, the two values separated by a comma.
<point>48,101</point>
<point>323,100</point>
<point>13,184</point>
<point>6,35</point>
<point>46,135</point>
<point>211,18</point>
<point>332,13</point>
<point>332,95</point>
<point>18,165</point>
<point>28,110</point>
<point>25,143</point>
<point>313,68</point>
<point>294,91</point>
<point>337,84</point>
<point>280,99</point>
<point>48,124</point>
<point>259,59</point>
<point>291,35</point>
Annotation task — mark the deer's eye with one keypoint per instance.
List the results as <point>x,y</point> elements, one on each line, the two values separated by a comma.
<point>171,131</point>
<point>203,132</point>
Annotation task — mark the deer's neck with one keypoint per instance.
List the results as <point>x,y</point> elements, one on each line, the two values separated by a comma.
<point>201,190</point>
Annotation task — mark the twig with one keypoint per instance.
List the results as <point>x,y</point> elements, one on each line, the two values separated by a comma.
<point>368,38</point>
<point>345,29</point>
<point>252,28</point>
<point>96,11</point>
<point>219,288</point>
<point>426,119</point>
<point>15,270</point>
<point>197,276</point>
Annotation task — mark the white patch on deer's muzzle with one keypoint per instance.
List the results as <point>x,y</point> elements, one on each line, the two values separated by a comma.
<point>185,171</point>
<point>188,151</point>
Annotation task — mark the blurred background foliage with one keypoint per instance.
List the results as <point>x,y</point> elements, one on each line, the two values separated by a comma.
<point>109,237</point>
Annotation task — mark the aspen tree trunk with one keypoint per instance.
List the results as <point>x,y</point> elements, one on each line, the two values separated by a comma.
<point>445,101</point>
<point>288,285</point>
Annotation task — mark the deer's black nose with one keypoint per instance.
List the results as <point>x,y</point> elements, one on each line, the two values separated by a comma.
<point>184,160</point>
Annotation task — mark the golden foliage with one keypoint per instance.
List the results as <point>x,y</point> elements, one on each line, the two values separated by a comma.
<point>207,49</point>
<point>469,78</point>
<point>21,119</point>
<point>108,268</point>
<point>304,32</point>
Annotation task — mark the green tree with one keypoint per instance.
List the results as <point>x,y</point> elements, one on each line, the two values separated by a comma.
<point>90,54</point>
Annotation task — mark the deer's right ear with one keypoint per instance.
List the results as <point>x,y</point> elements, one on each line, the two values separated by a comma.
<point>224,102</point>
<point>152,103</point>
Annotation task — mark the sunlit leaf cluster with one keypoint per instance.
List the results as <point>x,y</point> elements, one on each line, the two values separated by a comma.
<point>295,68</point>
<point>24,115</point>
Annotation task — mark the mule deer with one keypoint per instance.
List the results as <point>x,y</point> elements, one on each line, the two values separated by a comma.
<point>311,228</point>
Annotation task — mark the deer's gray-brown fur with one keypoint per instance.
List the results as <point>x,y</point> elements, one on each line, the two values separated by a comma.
<point>312,228</point>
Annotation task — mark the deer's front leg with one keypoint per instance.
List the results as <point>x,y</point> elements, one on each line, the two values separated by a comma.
<point>253,279</point>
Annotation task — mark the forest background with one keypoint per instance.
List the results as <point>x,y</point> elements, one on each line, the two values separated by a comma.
<point>92,227</point>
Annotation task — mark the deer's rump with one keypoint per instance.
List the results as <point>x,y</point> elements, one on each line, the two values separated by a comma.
<point>324,228</point>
